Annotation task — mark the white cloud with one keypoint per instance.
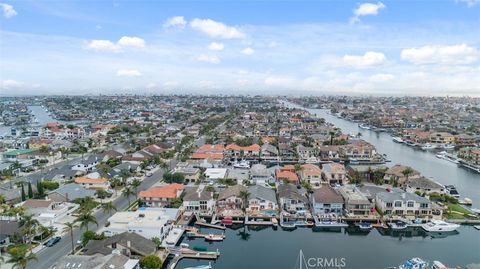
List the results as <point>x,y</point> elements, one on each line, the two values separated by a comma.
<point>470,3</point>
<point>370,58</point>
<point>131,41</point>
<point>366,9</point>
<point>128,73</point>
<point>277,81</point>
<point>102,45</point>
<point>455,54</point>
<point>272,44</point>
<point>208,58</point>
<point>10,84</point>
<point>216,46</point>
<point>216,29</point>
<point>177,21</point>
<point>8,11</point>
<point>248,51</point>
<point>381,77</point>
<point>171,83</point>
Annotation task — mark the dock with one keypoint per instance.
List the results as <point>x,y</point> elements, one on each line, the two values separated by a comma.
<point>191,254</point>
<point>258,222</point>
<point>209,225</point>
<point>194,232</point>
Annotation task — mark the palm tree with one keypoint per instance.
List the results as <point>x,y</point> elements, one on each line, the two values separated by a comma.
<point>101,194</point>
<point>127,192</point>
<point>85,218</point>
<point>135,184</point>
<point>69,226</point>
<point>29,226</point>
<point>407,172</point>
<point>332,134</point>
<point>20,257</point>
<point>244,196</point>
<point>109,207</point>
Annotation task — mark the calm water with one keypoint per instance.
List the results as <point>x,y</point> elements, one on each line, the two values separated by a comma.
<point>270,248</point>
<point>42,116</point>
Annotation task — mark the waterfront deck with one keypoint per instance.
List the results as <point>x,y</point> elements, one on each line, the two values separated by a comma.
<point>191,254</point>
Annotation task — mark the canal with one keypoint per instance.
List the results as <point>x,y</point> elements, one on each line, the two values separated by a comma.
<point>445,172</point>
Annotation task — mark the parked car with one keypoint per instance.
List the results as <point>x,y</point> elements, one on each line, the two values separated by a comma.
<point>52,241</point>
<point>149,174</point>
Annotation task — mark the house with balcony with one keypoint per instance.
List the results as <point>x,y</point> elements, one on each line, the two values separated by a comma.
<point>312,174</point>
<point>403,204</point>
<point>161,196</point>
<point>356,203</point>
<point>326,200</point>
<point>334,173</point>
<point>199,200</point>
<point>230,198</point>
<point>292,199</point>
<point>260,199</point>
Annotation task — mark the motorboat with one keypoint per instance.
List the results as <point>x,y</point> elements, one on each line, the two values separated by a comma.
<point>242,164</point>
<point>184,245</point>
<point>440,226</point>
<point>274,222</point>
<point>410,143</point>
<point>452,191</point>
<point>311,160</point>
<point>429,146</point>
<point>448,146</point>
<point>330,223</point>
<point>398,225</point>
<point>397,139</point>
<point>364,126</point>
<point>366,226</point>
<point>208,266</point>
<point>414,263</point>
<point>439,265</point>
<point>213,237</point>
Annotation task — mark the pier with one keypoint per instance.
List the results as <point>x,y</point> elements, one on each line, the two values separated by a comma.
<point>191,254</point>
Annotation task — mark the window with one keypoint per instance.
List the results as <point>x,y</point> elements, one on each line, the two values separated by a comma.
<point>389,205</point>
<point>410,204</point>
<point>398,203</point>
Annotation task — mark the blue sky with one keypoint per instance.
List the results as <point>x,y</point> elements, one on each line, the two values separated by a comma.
<point>285,47</point>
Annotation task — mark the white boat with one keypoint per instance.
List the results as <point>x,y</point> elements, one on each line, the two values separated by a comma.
<point>452,191</point>
<point>448,146</point>
<point>439,265</point>
<point>311,160</point>
<point>397,139</point>
<point>398,225</point>
<point>364,126</point>
<point>213,237</point>
<point>366,226</point>
<point>414,263</point>
<point>242,164</point>
<point>330,223</point>
<point>440,226</point>
<point>184,245</point>
<point>209,266</point>
<point>429,146</point>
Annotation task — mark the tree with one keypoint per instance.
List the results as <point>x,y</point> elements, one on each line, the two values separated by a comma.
<point>30,191</point>
<point>20,257</point>
<point>69,226</point>
<point>101,194</point>
<point>85,218</point>
<point>151,262</point>
<point>298,167</point>
<point>127,192</point>
<point>407,172</point>
<point>29,226</point>
<point>40,191</point>
<point>109,207</point>
<point>332,134</point>
<point>23,194</point>
<point>244,196</point>
<point>135,184</point>
<point>87,236</point>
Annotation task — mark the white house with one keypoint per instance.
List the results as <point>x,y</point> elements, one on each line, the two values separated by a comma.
<point>199,200</point>
<point>215,173</point>
<point>400,203</point>
<point>261,198</point>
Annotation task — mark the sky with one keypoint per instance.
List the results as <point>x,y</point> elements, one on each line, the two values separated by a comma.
<point>401,47</point>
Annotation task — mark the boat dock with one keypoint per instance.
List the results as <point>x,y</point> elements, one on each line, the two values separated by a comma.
<point>191,254</point>
<point>209,225</point>
<point>257,222</point>
<point>194,232</point>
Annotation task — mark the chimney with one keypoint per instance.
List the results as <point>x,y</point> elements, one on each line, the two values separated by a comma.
<point>404,195</point>
<point>129,244</point>
<point>66,197</point>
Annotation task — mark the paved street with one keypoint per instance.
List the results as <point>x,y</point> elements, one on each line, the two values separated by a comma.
<point>48,256</point>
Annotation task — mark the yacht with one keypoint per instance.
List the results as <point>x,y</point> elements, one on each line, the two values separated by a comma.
<point>439,265</point>
<point>398,139</point>
<point>428,146</point>
<point>414,263</point>
<point>366,226</point>
<point>452,191</point>
<point>242,164</point>
<point>410,143</point>
<point>398,225</point>
<point>448,146</point>
<point>364,126</point>
<point>440,226</point>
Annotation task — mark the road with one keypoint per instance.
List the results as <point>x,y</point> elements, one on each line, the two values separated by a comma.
<point>48,256</point>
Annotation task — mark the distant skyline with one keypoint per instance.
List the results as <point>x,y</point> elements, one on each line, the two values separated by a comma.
<point>428,47</point>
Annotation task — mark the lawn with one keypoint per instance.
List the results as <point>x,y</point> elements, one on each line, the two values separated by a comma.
<point>456,211</point>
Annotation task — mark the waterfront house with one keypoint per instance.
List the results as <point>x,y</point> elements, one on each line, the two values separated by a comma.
<point>92,183</point>
<point>424,185</point>
<point>286,173</point>
<point>229,198</point>
<point>334,173</point>
<point>261,198</point>
<point>209,151</point>
<point>199,200</point>
<point>236,151</point>
<point>215,173</point>
<point>292,199</point>
<point>465,140</point>
<point>287,153</point>
<point>356,203</point>
<point>259,174</point>
<point>442,138</point>
<point>312,174</point>
<point>366,172</point>
<point>269,152</point>
<point>161,196</point>
<point>306,153</point>
<point>326,200</point>
<point>110,261</point>
<point>358,150</point>
<point>396,174</point>
<point>400,203</point>
<point>127,243</point>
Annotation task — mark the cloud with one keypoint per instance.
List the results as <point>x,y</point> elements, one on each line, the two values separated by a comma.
<point>216,46</point>
<point>177,21</point>
<point>470,3</point>
<point>370,58</point>
<point>216,29</point>
<point>109,46</point>
<point>277,81</point>
<point>381,77</point>
<point>171,83</point>
<point>248,51</point>
<point>10,84</point>
<point>131,41</point>
<point>128,73</point>
<point>366,9</point>
<point>102,45</point>
<point>436,54</point>
<point>208,58</point>
<point>8,11</point>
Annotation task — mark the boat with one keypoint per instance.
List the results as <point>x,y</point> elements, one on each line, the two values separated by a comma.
<point>398,225</point>
<point>410,143</point>
<point>274,222</point>
<point>428,146</point>
<point>242,164</point>
<point>414,263</point>
<point>440,226</point>
<point>184,245</point>
<point>477,227</point>
<point>439,265</point>
<point>288,225</point>
<point>466,201</point>
<point>330,223</point>
<point>214,237</point>
<point>311,160</point>
<point>448,146</point>
<point>227,221</point>
<point>208,266</point>
<point>397,139</point>
<point>364,126</point>
<point>366,226</point>
<point>452,191</point>
<point>199,248</point>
